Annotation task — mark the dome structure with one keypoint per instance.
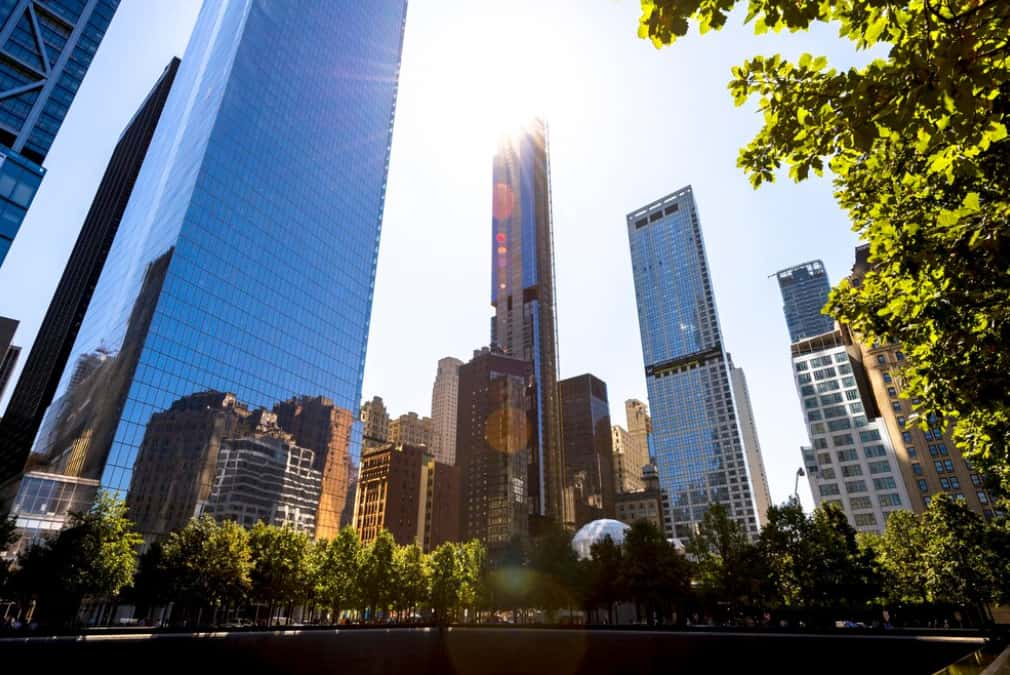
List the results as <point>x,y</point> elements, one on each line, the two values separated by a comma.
<point>597,531</point>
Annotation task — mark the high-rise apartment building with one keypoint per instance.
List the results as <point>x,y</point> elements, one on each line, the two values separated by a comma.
<point>48,356</point>
<point>245,258</point>
<point>851,461</point>
<point>444,399</point>
<point>411,429</point>
<point>46,47</point>
<point>626,477</point>
<point>929,460</point>
<point>585,414</point>
<point>805,291</point>
<point>751,445</point>
<point>522,293</point>
<point>494,435</point>
<point>375,419</point>
<point>695,434</point>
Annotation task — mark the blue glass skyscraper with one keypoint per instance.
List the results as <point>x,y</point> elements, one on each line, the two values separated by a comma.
<point>805,290</point>
<point>237,293</point>
<point>46,47</point>
<point>695,431</point>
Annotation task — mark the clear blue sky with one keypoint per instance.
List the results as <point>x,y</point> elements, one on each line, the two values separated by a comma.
<point>628,124</point>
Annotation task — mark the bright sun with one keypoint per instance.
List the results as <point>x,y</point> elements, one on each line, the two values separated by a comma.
<point>498,71</point>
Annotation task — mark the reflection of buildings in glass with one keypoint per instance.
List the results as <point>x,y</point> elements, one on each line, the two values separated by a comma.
<point>47,49</point>
<point>522,293</point>
<point>698,449</point>
<point>53,344</point>
<point>266,189</point>
<point>316,423</point>
<point>585,415</point>
<point>43,502</point>
<point>492,447</point>
<point>84,425</point>
<point>265,478</point>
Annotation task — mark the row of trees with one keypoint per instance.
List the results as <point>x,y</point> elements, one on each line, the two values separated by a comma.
<point>814,566</point>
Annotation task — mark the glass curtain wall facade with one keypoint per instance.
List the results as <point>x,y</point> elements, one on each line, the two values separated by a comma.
<point>695,433</point>
<point>522,294</point>
<point>46,47</point>
<point>589,450</point>
<point>245,259</point>
<point>48,356</point>
<point>805,290</point>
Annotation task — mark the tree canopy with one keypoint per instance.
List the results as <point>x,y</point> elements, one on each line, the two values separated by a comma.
<point>916,142</point>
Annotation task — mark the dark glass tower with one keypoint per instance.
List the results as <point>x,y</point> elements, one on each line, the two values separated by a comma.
<point>46,47</point>
<point>589,450</point>
<point>48,357</point>
<point>805,291</point>
<point>522,293</point>
<point>695,431</point>
<point>245,259</point>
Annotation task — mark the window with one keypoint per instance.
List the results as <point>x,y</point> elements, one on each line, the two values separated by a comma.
<point>810,403</point>
<point>869,435</point>
<point>983,498</point>
<point>856,407</point>
<point>847,455</point>
<point>896,406</point>
<point>882,466</point>
<point>817,428</point>
<point>906,436</point>
<point>820,361</point>
<point>834,411</point>
<point>958,496</point>
<point>828,489</point>
<point>855,486</point>
<point>955,483</point>
<point>841,357</point>
<point>938,466</point>
<point>887,378</point>
<point>807,390</point>
<point>899,355</point>
<point>886,483</point>
<point>828,473</point>
<point>852,395</point>
<point>901,421</point>
<point>889,499</point>
<point>934,451</point>
<point>860,503</point>
<point>923,485</point>
<point>824,373</point>
<point>803,378</point>
<point>801,366</point>
<point>912,452</point>
<point>814,415</point>
<point>949,465</point>
<point>975,480</point>
<point>881,359</point>
<point>844,369</point>
<point>841,439</point>
<point>892,392</point>
<point>917,468</point>
<point>926,501</point>
<point>838,425</point>
<point>831,399</point>
<point>944,483</point>
<point>874,451</point>
<point>820,443</point>
<point>865,519</point>
<point>826,386</point>
<point>824,458</point>
<point>852,470</point>
<point>849,382</point>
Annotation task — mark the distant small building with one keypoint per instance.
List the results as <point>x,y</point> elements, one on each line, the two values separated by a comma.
<point>646,504</point>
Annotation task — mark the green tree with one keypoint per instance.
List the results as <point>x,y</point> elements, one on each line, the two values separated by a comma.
<point>443,564</point>
<point>656,576</point>
<point>727,566</point>
<point>604,585</point>
<point>279,566</point>
<point>378,580</point>
<point>473,570</point>
<point>917,144</point>
<point>555,567</point>
<point>207,564</point>
<point>959,567</point>
<point>337,565</point>
<point>900,552</point>
<point>411,574</point>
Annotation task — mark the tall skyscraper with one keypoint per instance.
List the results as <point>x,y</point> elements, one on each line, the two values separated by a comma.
<point>493,441</point>
<point>851,460</point>
<point>626,477</point>
<point>752,447</point>
<point>48,356</point>
<point>245,259</point>
<point>585,414</point>
<point>522,293</point>
<point>46,47</point>
<point>639,450</point>
<point>444,400</point>
<point>805,291</point>
<point>696,436</point>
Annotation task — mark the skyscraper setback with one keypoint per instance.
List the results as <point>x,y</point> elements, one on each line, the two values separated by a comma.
<point>245,259</point>
<point>805,290</point>
<point>48,356</point>
<point>696,435</point>
<point>45,51</point>
<point>522,293</point>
